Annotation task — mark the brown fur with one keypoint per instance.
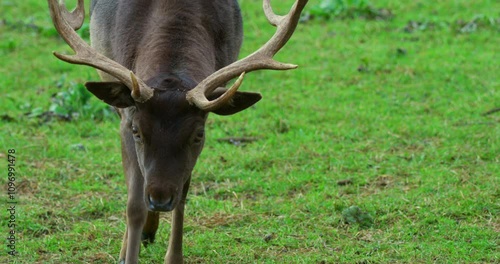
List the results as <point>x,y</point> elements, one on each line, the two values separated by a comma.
<point>172,46</point>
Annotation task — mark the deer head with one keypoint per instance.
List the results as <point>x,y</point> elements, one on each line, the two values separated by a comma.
<point>163,119</point>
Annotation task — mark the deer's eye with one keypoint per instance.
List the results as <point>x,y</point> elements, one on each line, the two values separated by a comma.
<point>135,132</point>
<point>198,137</point>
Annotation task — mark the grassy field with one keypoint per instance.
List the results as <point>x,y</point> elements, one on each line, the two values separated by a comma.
<point>385,115</point>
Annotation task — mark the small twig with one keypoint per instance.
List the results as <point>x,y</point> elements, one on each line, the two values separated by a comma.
<point>492,111</point>
<point>344,182</point>
<point>475,123</point>
<point>237,141</point>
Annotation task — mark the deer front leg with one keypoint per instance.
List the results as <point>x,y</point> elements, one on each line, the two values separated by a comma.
<point>150,228</point>
<point>174,252</point>
<point>136,217</point>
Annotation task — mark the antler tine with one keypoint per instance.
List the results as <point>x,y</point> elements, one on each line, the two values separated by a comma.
<point>74,18</point>
<point>283,23</point>
<point>271,16</point>
<point>260,59</point>
<point>64,23</point>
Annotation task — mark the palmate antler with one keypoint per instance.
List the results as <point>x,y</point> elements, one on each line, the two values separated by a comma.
<point>261,59</point>
<point>66,23</point>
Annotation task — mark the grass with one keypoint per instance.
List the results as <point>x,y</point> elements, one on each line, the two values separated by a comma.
<point>385,115</point>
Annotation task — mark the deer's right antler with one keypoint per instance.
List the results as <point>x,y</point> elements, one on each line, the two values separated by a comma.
<point>66,23</point>
<point>261,59</point>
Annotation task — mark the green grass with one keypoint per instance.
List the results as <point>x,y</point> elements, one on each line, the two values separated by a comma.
<point>394,107</point>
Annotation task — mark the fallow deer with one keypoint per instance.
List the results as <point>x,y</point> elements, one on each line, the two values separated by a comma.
<point>163,66</point>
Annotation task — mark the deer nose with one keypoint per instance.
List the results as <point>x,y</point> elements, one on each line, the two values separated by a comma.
<point>161,205</point>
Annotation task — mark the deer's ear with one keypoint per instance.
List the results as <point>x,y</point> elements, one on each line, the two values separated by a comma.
<point>239,102</point>
<point>113,93</point>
